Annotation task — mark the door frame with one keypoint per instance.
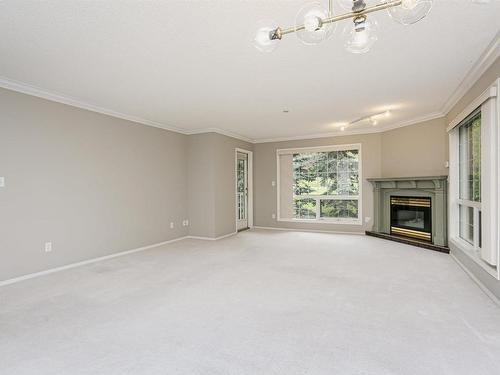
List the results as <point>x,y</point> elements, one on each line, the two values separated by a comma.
<point>250,186</point>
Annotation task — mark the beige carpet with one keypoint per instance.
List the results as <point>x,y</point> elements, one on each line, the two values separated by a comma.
<point>262,302</point>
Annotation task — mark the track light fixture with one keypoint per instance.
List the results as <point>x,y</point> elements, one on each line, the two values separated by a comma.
<point>314,23</point>
<point>372,119</point>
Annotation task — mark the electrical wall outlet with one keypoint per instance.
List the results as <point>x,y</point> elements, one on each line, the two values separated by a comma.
<point>273,216</point>
<point>172,225</point>
<point>185,223</point>
<point>273,183</point>
<point>2,182</point>
<point>48,247</point>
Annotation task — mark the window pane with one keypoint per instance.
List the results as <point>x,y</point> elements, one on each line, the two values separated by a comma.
<point>304,208</point>
<point>470,159</point>
<point>326,173</point>
<point>334,208</point>
<point>310,173</point>
<point>240,175</point>
<point>467,224</point>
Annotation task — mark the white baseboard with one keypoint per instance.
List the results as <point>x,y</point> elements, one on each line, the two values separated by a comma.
<point>212,238</point>
<point>84,262</point>
<point>476,280</point>
<point>309,230</point>
<point>93,260</point>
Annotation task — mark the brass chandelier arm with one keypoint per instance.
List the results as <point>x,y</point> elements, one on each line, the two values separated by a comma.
<point>375,8</point>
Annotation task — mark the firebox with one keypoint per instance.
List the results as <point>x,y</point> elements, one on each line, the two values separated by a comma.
<point>411,217</point>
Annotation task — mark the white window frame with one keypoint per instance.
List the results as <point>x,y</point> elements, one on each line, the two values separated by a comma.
<point>318,198</point>
<point>487,256</point>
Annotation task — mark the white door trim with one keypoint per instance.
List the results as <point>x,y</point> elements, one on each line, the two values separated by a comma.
<point>250,186</point>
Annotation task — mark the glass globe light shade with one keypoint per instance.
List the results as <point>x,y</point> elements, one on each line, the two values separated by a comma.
<point>361,37</point>
<point>410,11</point>
<point>347,4</point>
<point>262,37</point>
<point>309,26</point>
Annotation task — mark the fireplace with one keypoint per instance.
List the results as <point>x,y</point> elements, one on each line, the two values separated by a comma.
<point>411,217</point>
<point>411,210</point>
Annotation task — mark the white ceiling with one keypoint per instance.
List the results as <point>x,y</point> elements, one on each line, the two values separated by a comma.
<point>191,64</point>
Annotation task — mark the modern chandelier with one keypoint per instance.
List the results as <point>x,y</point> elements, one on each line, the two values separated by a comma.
<point>315,23</point>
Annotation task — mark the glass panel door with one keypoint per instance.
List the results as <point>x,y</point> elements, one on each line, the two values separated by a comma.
<point>242,190</point>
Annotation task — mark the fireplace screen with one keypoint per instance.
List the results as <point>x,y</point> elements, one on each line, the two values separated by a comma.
<point>411,217</point>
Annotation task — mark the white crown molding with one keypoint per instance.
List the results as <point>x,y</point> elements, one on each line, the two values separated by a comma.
<point>29,89</point>
<point>221,132</point>
<point>490,92</point>
<point>373,130</point>
<point>488,57</point>
<point>26,88</point>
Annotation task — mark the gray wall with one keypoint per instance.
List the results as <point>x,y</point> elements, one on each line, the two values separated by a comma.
<point>395,153</point>
<point>482,84</point>
<point>90,183</point>
<point>94,185</point>
<point>201,184</point>
<point>211,183</point>
<point>416,150</point>
<point>265,196</point>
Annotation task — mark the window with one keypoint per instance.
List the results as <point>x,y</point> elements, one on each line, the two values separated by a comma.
<point>320,184</point>
<point>474,206</point>
<point>469,165</point>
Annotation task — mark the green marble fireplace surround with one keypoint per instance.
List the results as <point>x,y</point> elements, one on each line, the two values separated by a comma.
<point>433,187</point>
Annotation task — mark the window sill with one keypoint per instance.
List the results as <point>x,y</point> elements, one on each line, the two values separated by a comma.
<point>468,250</point>
<point>324,221</point>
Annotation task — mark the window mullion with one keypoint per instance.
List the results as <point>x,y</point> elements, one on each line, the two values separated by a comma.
<point>475,223</point>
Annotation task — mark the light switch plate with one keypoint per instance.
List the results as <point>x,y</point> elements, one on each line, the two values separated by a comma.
<point>2,181</point>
